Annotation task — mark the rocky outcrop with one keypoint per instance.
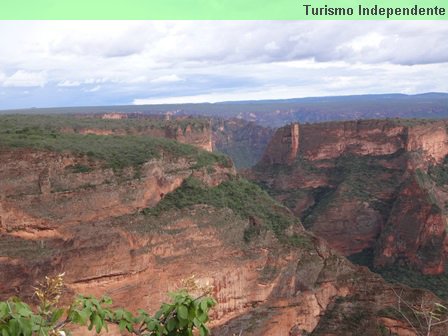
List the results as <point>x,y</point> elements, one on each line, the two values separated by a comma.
<point>416,230</point>
<point>327,141</point>
<point>284,146</point>
<point>319,293</point>
<point>50,186</point>
<point>45,195</point>
<point>194,133</point>
<point>366,185</point>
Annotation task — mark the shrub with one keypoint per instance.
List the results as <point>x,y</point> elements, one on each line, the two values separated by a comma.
<point>180,317</point>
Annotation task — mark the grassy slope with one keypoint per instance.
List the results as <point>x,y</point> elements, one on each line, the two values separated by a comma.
<point>56,122</point>
<point>42,132</point>
<point>244,198</point>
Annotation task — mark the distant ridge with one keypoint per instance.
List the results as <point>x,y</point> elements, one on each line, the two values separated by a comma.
<point>275,113</point>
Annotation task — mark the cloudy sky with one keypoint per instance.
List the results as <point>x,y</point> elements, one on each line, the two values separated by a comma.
<point>74,63</point>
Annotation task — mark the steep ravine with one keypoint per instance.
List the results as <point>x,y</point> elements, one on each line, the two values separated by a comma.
<point>373,184</point>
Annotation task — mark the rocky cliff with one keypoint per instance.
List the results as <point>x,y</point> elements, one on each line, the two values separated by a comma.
<point>132,230</point>
<point>193,131</point>
<point>90,225</point>
<point>377,184</point>
<point>327,141</point>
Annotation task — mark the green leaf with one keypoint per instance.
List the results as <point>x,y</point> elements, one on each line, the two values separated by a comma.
<point>122,325</point>
<point>25,326</point>
<point>191,312</point>
<point>166,308</point>
<point>98,323</point>
<point>197,323</point>
<point>81,316</point>
<point>23,309</point>
<point>151,325</point>
<point>106,300</point>
<point>128,316</point>
<point>171,325</point>
<point>119,314</point>
<point>204,305</point>
<point>182,312</point>
<point>183,323</point>
<point>57,315</point>
<point>203,330</point>
<point>3,309</point>
<point>13,327</point>
<point>203,317</point>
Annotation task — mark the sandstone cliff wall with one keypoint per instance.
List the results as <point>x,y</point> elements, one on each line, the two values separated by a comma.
<point>354,184</point>
<point>363,137</point>
<point>88,224</point>
<point>284,146</point>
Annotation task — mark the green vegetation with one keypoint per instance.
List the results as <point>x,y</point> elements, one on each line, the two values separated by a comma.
<point>243,197</point>
<point>425,182</point>
<point>79,168</point>
<point>438,284</point>
<point>363,176</point>
<point>439,173</point>
<point>76,123</point>
<point>351,177</point>
<point>116,152</point>
<point>182,317</point>
<point>409,122</point>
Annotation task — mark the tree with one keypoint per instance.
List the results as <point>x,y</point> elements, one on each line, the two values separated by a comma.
<point>180,317</point>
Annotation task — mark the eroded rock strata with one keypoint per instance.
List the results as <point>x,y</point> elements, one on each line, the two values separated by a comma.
<point>115,232</point>
<point>366,185</point>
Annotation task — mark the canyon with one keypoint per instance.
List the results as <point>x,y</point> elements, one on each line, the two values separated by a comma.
<point>244,141</point>
<point>133,230</point>
<point>374,185</point>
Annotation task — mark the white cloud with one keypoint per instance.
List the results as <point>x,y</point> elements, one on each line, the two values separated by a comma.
<point>167,79</point>
<point>125,61</point>
<point>68,83</point>
<point>22,78</point>
<point>271,46</point>
<point>95,80</point>
<point>94,89</point>
<point>369,41</point>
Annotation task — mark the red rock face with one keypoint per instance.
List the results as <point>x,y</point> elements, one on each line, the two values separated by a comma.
<point>354,184</point>
<point>431,139</point>
<point>415,231</point>
<point>331,140</point>
<point>88,225</point>
<point>44,199</point>
<point>284,146</point>
<point>364,137</point>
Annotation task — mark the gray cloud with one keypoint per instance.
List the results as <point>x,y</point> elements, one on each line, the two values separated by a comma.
<point>79,62</point>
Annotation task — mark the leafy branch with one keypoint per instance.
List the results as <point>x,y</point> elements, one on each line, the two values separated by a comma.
<point>181,317</point>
